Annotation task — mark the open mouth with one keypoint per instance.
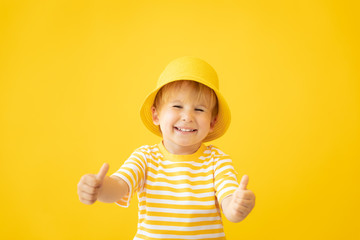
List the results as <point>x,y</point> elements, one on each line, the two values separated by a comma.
<point>185,129</point>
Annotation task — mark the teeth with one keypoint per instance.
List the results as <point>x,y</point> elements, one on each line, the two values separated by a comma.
<point>185,130</point>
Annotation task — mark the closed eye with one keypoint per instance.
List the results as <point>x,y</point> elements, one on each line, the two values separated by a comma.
<point>199,110</point>
<point>177,106</point>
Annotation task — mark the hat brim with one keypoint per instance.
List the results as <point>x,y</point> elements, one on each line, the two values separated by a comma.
<point>221,125</point>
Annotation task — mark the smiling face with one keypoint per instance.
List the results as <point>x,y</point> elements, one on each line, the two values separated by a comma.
<point>185,114</point>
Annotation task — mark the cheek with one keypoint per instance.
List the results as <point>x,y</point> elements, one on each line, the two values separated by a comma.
<point>167,118</point>
<point>206,121</point>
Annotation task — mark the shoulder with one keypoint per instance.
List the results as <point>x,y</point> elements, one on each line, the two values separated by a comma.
<point>147,148</point>
<point>146,151</point>
<point>215,151</point>
<point>219,157</point>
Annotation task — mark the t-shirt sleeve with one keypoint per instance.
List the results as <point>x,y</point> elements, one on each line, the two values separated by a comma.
<point>133,173</point>
<point>225,177</point>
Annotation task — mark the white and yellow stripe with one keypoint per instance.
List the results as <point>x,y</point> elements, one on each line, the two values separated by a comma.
<point>179,195</point>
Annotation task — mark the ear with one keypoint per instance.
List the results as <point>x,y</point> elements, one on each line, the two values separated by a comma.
<point>155,116</point>
<point>212,123</point>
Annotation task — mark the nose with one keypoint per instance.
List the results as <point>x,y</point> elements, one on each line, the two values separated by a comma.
<point>186,116</point>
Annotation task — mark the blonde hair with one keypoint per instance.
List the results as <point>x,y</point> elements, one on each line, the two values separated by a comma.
<point>201,93</point>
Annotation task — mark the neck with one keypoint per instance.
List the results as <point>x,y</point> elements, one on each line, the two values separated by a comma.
<point>181,150</point>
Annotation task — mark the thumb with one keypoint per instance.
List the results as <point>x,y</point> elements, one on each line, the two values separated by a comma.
<point>244,182</point>
<point>102,173</point>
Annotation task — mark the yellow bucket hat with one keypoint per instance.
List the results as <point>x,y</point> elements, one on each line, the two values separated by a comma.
<point>195,69</point>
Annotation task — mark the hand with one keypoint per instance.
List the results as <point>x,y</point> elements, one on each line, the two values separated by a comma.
<point>89,185</point>
<point>242,201</point>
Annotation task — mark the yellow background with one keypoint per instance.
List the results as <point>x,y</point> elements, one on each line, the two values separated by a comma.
<point>73,75</point>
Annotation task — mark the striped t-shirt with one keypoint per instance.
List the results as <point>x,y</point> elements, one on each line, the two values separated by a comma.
<point>179,195</point>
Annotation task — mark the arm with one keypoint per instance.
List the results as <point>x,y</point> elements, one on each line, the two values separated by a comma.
<point>100,187</point>
<point>112,190</point>
<point>239,204</point>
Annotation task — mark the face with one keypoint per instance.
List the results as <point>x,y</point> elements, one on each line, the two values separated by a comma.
<point>184,121</point>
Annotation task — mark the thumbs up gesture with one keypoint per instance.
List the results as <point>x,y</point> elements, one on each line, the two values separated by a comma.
<point>90,184</point>
<point>240,203</point>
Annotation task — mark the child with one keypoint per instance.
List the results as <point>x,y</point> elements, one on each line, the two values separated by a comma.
<point>181,183</point>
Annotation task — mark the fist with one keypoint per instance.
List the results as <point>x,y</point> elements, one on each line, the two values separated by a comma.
<point>243,200</point>
<point>89,185</point>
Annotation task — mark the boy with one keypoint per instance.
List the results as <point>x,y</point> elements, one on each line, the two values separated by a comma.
<point>181,183</point>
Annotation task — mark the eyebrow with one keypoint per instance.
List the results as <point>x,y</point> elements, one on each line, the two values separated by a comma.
<point>179,101</point>
<point>202,106</point>
<point>174,101</point>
